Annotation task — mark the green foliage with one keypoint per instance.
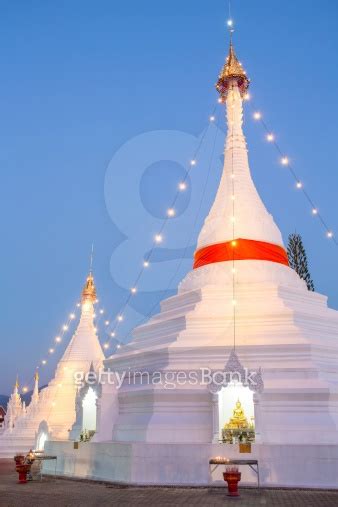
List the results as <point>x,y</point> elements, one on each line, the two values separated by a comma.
<point>298,260</point>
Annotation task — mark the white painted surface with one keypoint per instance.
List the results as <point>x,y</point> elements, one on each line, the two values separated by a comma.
<point>142,463</point>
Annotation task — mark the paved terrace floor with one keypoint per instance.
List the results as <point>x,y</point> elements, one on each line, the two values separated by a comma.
<point>63,493</point>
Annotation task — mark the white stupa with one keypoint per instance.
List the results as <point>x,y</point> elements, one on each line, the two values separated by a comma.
<point>51,413</point>
<point>240,293</point>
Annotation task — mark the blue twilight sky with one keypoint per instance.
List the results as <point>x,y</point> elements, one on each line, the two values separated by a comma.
<point>101,104</point>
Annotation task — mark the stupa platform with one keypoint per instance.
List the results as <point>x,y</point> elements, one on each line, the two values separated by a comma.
<point>308,466</point>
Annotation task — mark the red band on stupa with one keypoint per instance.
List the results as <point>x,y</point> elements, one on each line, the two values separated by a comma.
<point>240,250</point>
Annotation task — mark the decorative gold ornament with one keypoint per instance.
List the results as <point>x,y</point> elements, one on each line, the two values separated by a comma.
<point>232,71</point>
<point>89,290</point>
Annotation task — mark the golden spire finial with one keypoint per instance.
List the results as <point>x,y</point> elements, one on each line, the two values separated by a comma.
<point>232,71</point>
<point>89,290</point>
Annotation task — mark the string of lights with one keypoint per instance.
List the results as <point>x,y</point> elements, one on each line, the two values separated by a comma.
<point>158,238</point>
<point>286,162</point>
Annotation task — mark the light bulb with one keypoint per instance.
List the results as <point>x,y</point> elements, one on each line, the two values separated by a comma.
<point>182,186</point>
<point>120,318</point>
<point>329,234</point>
<point>58,339</point>
<point>25,389</point>
<point>118,346</point>
<point>233,242</point>
<point>44,361</point>
<point>193,162</point>
<point>51,351</point>
<point>112,334</point>
<point>78,305</point>
<point>101,311</point>
<point>107,322</point>
<point>158,238</point>
<point>270,137</point>
<point>65,327</point>
<point>211,118</point>
<point>72,316</point>
<point>247,96</point>
<point>133,290</point>
<point>106,346</point>
<point>230,22</point>
<point>145,264</point>
<point>299,184</point>
<point>314,211</point>
<point>257,115</point>
<point>284,160</point>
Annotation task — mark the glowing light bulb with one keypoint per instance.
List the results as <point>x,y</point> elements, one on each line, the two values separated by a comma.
<point>145,264</point>
<point>211,118</point>
<point>182,186</point>
<point>118,346</point>
<point>270,138</point>
<point>171,212</point>
<point>107,322</point>
<point>257,115</point>
<point>158,238</point>
<point>25,389</point>
<point>78,305</point>
<point>65,327</point>
<point>106,346</point>
<point>284,160</point>
<point>72,316</point>
<point>101,311</point>
<point>112,334</point>
<point>133,290</point>
<point>44,361</point>
<point>299,184</point>
<point>58,339</point>
<point>230,22</point>
<point>219,100</point>
<point>314,211</point>
<point>247,96</point>
<point>233,242</point>
<point>329,234</point>
<point>96,301</point>
<point>51,351</point>
<point>193,162</point>
<point>120,318</point>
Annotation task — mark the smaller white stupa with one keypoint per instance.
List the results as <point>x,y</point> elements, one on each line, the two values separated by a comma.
<point>51,413</point>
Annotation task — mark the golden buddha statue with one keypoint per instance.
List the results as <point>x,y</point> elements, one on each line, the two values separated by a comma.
<point>238,419</point>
